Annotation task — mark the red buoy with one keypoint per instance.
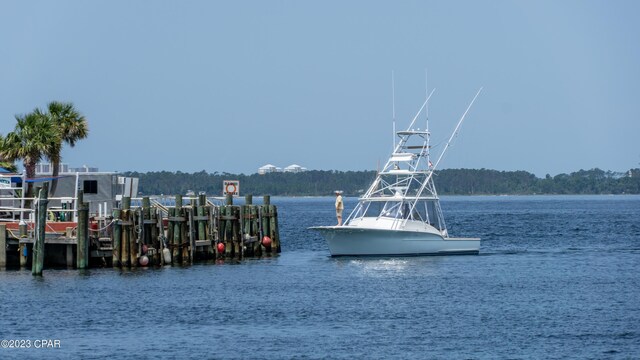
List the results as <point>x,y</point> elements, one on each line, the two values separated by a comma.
<point>144,260</point>
<point>144,248</point>
<point>220,247</point>
<point>266,241</point>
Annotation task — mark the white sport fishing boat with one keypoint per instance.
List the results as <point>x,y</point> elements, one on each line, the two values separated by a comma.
<point>400,213</point>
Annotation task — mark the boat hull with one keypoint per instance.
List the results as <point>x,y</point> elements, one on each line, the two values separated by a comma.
<point>357,241</point>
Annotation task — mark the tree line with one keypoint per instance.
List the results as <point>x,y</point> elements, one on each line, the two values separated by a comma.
<point>353,183</point>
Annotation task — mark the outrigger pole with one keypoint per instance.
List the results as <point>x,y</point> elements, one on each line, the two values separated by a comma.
<point>393,110</point>
<point>455,131</point>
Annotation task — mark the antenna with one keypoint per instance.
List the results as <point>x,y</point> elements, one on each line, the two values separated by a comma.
<point>426,88</point>
<point>393,109</point>
<point>419,111</point>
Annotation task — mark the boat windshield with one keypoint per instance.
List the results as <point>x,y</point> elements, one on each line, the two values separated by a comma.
<point>425,211</point>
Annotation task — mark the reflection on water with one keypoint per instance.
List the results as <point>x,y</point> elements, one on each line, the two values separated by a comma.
<point>385,267</point>
<point>381,267</point>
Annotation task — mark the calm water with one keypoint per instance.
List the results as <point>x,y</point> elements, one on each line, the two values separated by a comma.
<point>557,277</point>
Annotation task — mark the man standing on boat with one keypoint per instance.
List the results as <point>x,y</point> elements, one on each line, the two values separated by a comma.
<point>339,206</point>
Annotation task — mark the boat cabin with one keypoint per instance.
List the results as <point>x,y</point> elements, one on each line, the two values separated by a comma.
<point>425,210</point>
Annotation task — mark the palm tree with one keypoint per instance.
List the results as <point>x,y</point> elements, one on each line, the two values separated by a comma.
<point>71,126</point>
<point>33,138</point>
<point>8,165</point>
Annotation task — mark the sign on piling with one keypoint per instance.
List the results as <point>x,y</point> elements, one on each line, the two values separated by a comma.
<point>231,187</point>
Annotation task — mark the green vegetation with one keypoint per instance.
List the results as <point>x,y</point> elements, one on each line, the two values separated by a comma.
<point>8,165</point>
<point>40,134</point>
<point>448,182</point>
<point>71,127</point>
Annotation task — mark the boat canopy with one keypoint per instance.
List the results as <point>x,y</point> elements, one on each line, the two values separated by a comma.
<point>402,157</point>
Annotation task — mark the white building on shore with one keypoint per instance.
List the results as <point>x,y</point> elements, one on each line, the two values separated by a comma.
<point>294,168</point>
<point>268,169</point>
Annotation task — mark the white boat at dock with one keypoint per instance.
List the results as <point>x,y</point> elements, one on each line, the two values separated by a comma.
<point>400,214</point>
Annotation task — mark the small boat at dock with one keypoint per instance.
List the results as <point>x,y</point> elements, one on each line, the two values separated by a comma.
<point>400,213</point>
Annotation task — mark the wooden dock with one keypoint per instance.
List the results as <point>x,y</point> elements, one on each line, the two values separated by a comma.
<point>151,234</point>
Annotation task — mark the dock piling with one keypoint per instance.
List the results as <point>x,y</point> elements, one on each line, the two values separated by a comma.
<point>117,237</point>
<point>69,256</point>
<point>82,247</point>
<point>38,245</point>
<point>3,246</point>
<point>177,231</point>
<point>126,235</point>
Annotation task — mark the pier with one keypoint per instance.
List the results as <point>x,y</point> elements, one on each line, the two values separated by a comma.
<point>141,232</point>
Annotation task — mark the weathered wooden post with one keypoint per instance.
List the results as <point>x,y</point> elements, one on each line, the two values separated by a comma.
<point>38,244</point>
<point>80,199</point>
<point>187,235</point>
<point>238,242</point>
<point>82,247</point>
<point>228,229</point>
<point>270,228</point>
<point>117,237</point>
<point>23,247</point>
<point>69,236</point>
<point>146,224</point>
<point>203,224</point>
<point>133,243</point>
<point>265,223</point>
<point>126,234</point>
<point>155,238</point>
<point>3,246</point>
<point>255,230</point>
<point>273,227</point>
<point>177,230</point>
<point>221,223</point>
<point>245,229</point>
<point>23,255</point>
<point>213,230</point>
<point>245,225</point>
<point>201,213</point>
<point>209,231</point>
<point>160,232</point>
<point>170,215</point>
<point>146,227</point>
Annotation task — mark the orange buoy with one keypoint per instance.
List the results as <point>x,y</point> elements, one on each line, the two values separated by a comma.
<point>220,247</point>
<point>266,241</point>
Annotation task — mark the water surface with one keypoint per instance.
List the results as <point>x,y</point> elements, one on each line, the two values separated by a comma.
<point>557,277</point>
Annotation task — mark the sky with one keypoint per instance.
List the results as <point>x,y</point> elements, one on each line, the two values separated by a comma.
<point>229,86</point>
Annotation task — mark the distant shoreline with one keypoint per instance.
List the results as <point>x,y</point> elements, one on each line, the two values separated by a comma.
<point>320,183</point>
